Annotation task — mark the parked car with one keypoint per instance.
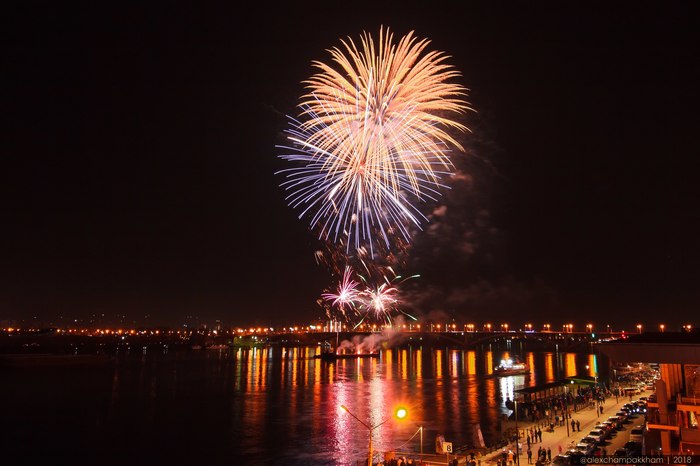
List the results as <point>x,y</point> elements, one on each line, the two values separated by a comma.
<point>617,421</point>
<point>597,434</point>
<point>612,426</point>
<point>605,428</point>
<point>621,452</point>
<point>574,457</point>
<point>590,440</point>
<point>586,448</point>
<point>633,448</point>
<point>637,434</point>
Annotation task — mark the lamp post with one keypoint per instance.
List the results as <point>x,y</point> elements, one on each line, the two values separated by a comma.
<point>421,443</point>
<point>400,413</point>
<point>566,408</point>
<point>517,434</point>
<point>595,378</point>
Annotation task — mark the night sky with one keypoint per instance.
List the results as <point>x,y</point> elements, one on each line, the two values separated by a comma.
<point>139,163</point>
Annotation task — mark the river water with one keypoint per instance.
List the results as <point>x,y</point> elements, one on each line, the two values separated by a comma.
<point>264,405</point>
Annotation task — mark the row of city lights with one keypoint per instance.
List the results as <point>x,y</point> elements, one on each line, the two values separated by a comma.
<point>488,327</point>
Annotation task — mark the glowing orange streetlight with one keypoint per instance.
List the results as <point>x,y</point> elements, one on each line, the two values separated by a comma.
<point>639,328</point>
<point>400,413</point>
<point>589,327</point>
<point>662,327</point>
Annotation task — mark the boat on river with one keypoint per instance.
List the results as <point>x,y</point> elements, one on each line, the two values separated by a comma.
<point>509,367</point>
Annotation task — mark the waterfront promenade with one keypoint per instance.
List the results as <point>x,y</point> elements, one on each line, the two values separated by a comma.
<point>588,417</point>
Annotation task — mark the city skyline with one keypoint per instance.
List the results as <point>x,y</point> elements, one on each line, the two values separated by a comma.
<point>141,170</point>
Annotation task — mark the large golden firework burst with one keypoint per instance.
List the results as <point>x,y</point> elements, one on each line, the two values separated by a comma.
<point>375,126</point>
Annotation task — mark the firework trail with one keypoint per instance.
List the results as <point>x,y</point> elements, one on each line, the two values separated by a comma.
<point>373,138</point>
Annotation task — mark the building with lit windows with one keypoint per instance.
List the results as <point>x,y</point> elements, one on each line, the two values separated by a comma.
<point>673,415</point>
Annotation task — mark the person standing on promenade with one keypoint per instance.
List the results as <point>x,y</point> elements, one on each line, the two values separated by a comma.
<point>549,454</point>
<point>529,455</point>
<point>578,425</point>
<point>573,426</point>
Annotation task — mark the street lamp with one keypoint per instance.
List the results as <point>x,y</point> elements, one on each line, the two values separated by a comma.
<point>639,328</point>
<point>662,327</point>
<point>421,443</point>
<point>566,408</point>
<point>400,413</point>
<point>517,434</point>
<point>595,374</point>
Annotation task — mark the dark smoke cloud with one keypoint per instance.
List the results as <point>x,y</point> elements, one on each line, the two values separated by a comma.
<point>462,253</point>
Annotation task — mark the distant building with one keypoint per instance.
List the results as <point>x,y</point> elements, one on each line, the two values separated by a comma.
<point>675,414</point>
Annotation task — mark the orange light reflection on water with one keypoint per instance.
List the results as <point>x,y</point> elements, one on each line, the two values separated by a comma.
<point>532,380</point>
<point>372,387</point>
<point>403,357</point>
<point>419,363</point>
<point>454,363</point>
<point>592,365</point>
<point>471,362</point>
<point>570,365</point>
<point>388,357</point>
<point>549,367</point>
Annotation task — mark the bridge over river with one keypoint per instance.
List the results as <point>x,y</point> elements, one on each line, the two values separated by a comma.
<point>456,339</point>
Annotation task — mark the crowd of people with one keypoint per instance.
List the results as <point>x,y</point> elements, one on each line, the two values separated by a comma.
<point>548,413</point>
